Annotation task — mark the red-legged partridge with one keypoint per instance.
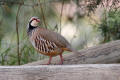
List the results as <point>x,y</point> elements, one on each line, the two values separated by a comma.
<point>46,41</point>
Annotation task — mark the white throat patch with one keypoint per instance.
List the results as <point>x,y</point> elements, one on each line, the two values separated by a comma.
<point>34,23</point>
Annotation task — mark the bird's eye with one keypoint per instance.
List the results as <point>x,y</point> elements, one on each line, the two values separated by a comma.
<point>33,19</point>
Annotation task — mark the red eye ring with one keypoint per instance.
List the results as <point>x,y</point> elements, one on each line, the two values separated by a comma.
<point>36,19</point>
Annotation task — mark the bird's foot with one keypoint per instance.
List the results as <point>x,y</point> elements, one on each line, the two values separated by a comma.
<point>46,64</point>
<point>61,62</point>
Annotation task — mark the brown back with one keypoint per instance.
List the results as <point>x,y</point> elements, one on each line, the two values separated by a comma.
<point>59,40</point>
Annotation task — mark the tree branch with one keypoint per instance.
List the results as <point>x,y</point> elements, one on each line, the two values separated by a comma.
<point>105,53</point>
<point>17,31</point>
<point>61,14</point>
<point>42,12</point>
<point>68,72</point>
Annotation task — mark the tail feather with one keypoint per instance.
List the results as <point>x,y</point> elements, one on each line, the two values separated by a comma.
<point>71,50</point>
<point>75,51</point>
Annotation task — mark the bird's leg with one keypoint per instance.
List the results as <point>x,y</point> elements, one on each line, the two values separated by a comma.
<point>61,57</point>
<point>49,62</point>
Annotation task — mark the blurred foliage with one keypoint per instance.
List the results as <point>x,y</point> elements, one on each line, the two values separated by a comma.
<point>110,26</point>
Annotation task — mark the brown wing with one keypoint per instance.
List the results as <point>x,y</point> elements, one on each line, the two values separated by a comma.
<point>54,37</point>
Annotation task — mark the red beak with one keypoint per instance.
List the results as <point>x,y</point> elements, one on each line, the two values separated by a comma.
<point>38,20</point>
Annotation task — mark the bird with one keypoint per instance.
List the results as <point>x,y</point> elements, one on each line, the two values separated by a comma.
<point>47,42</point>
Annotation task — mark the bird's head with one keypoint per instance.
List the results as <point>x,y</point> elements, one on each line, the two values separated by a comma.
<point>34,21</point>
